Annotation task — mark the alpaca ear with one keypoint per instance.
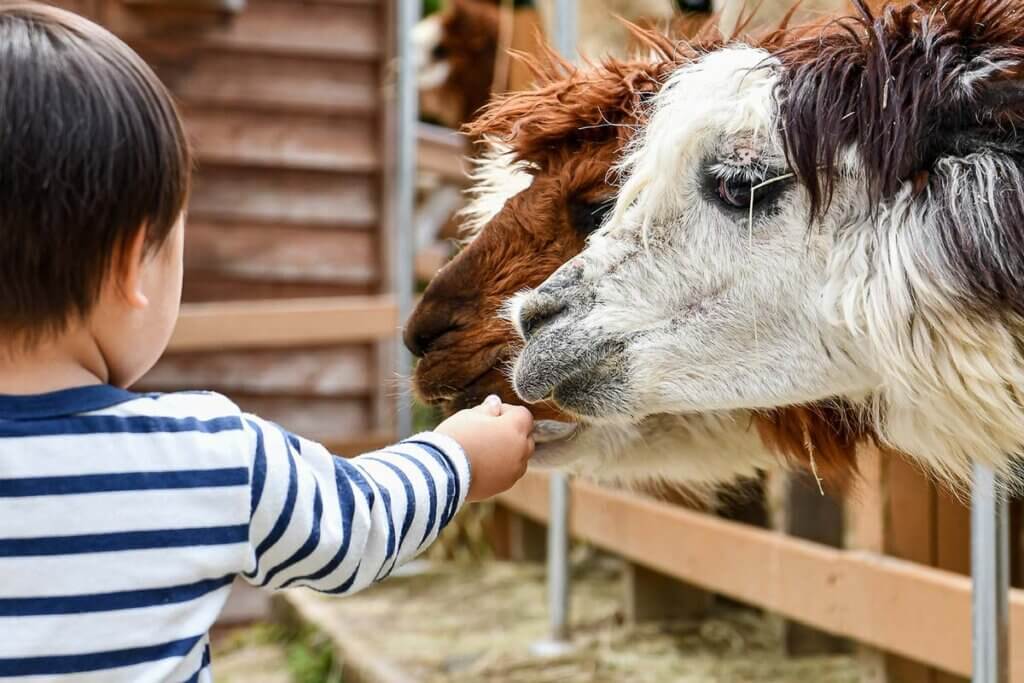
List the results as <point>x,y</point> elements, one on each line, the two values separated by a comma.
<point>977,215</point>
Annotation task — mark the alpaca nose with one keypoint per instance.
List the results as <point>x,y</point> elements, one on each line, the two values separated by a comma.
<point>426,325</point>
<point>537,311</point>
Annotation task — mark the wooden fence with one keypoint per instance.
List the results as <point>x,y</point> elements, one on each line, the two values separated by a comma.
<point>894,605</point>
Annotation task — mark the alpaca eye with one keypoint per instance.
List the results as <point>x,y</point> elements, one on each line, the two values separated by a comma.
<point>587,217</point>
<point>739,189</point>
<point>735,192</point>
<point>439,52</point>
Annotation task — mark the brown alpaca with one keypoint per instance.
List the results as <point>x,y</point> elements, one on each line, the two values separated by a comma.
<point>457,49</point>
<point>568,133</point>
<point>457,53</point>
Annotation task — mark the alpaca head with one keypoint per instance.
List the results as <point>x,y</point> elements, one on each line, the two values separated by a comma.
<point>455,54</point>
<point>841,216</point>
<point>538,194</point>
<point>541,189</point>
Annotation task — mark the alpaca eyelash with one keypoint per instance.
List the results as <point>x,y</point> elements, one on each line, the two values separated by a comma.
<point>754,174</point>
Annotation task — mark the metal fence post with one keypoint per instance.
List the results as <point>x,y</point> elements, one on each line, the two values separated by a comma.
<point>990,568</point>
<point>558,524</point>
<point>407,14</point>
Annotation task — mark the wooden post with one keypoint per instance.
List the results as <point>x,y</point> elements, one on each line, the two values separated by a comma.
<point>649,595</point>
<point>517,538</point>
<point>798,508</point>
<point>527,37</point>
<point>898,511</point>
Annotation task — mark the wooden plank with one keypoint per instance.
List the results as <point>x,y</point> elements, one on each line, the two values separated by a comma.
<point>207,287</point>
<point>801,510</point>
<point>227,6</point>
<point>866,520</point>
<point>952,547</point>
<point>431,259</point>
<point>307,372</point>
<point>283,140</point>
<point>910,534</point>
<point>360,443</point>
<point>269,324</point>
<point>282,196</point>
<point>89,9</point>
<point>273,83</point>
<point>953,537</point>
<point>652,596</point>
<point>910,513</point>
<point>282,253</point>
<point>891,604</point>
<point>442,151</point>
<point>284,27</point>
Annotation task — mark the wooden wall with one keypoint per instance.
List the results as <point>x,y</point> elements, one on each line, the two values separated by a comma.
<point>284,102</point>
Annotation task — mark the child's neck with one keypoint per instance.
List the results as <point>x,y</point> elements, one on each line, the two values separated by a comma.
<point>71,359</point>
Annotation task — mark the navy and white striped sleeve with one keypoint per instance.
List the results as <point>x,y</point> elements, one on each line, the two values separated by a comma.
<point>338,525</point>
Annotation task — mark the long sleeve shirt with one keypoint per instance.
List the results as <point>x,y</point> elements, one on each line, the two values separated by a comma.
<point>125,518</point>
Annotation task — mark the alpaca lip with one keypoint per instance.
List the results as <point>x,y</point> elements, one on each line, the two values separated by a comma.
<point>436,384</point>
<point>547,431</point>
<point>557,365</point>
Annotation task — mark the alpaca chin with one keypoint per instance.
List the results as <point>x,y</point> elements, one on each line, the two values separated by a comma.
<point>693,449</point>
<point>547,431</point>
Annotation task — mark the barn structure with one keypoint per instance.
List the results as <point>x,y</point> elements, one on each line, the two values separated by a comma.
<point>286,268</point>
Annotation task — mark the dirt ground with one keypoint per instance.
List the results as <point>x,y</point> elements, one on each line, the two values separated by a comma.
<point>468,623</point>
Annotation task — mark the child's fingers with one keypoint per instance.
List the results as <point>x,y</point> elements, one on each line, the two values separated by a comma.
<point>491,406</point>
<point>520,416</point>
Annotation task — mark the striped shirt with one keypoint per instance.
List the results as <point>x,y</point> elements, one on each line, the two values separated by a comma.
<point>125,517</point>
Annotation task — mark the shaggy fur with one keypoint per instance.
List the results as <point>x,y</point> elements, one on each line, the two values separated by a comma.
<point>458,48</point>
<point>887,272</point>
<point>457,54</point>
<point>559,144</point>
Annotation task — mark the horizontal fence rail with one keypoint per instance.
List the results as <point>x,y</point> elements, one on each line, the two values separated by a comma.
<point>284,323</point>
<point>891,604</point>
<point>442,151</point>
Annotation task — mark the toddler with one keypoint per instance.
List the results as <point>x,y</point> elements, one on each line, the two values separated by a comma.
<point>125,517</point>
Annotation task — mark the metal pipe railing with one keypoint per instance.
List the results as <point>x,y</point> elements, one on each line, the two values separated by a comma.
<point>990,569</point>
<point>564,40</point>
<point>407,14</point>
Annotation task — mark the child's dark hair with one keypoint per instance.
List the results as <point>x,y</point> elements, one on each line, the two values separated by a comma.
<point>91,151</point>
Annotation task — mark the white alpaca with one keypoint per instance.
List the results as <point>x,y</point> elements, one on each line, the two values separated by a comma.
<point>714,286</point>
<point>706,448</point>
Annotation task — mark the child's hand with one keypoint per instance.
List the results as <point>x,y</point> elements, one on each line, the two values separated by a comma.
<point>498,442</point>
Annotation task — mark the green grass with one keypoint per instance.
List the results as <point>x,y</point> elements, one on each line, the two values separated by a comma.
<point>424,417</point>
<point>311,657</point>
<point>309,654</point>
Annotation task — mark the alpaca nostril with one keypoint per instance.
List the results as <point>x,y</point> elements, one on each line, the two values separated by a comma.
<point>423,332</point>
<point>538,311</point>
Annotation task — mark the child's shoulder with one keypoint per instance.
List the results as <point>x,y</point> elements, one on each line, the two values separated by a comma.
<point>196,412</point>
<point>199,405</point>
<point>202,422</point>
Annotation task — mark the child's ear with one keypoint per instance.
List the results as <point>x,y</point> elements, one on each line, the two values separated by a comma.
<point>128,270</point>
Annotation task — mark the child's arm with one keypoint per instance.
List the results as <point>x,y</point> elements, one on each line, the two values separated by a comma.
<point>338,525</point>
